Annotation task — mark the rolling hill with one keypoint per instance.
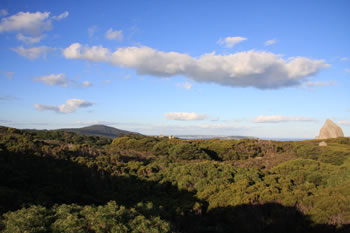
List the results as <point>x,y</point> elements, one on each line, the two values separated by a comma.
<point>99,130</point>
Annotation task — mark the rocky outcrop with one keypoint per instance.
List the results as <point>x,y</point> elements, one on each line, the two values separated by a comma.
<point>330,130</point>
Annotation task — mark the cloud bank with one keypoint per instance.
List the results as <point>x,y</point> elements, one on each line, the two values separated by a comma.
<point>70,106</point>
<point>185,116</point>
<point>259,69</point>
<point>280,119</point>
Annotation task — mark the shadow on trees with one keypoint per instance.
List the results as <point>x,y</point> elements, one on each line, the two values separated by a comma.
<point>27,179</point>
<point>261,218</point>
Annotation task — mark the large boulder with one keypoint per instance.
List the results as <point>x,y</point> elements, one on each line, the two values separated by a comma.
<point>330,130</point>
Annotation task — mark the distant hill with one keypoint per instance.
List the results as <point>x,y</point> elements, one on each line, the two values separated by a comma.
<point>99,130</point>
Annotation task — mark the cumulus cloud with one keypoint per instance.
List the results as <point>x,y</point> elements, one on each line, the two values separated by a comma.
<point>347,70</point>
<point>185,85</point>
<point>344,59</point>
<point>319,84</point>
<point>114,35</point>
<point>34,52</point>
<point>27,22</point>
<point>259,69</point>
<point>279,119</point>
<point>54,80</point>
<point>29,26</point>
<point>344,122</point>
<point>70,106</point>
<point>229,42</point>
<point>185,116</point>
<point>95,53</point>
<point>270,42</point>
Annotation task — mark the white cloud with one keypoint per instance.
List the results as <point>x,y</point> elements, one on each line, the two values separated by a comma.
<point>33,53</point>
<point>279,119</point>
<point>70,106</point>
<point>61,16</point>
<point>185,116</point>
<point>319,84</point>
<point>29,39</point>
<point>54,80</point>
<point>344,122</point>
<point>8,74</point>
<point>27,22</point>
<point>344,59</point>
<point>185,85</point>
<point>270,42</point>
<point>29,26</point>
<point>61,80</point>
<point>259,69</point>
<point>95,53</point>
<point>114,35</point>
<point>347,70</point>
<point>229,42</point>
<point>3,12</point>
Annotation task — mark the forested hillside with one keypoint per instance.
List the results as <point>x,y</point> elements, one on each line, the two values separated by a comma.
<point>99,130</point>
<point>54,181</point>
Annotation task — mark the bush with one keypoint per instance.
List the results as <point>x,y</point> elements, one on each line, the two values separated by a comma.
<point>187,151</point>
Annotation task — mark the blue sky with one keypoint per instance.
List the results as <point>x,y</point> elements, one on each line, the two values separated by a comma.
<point>255,68</point>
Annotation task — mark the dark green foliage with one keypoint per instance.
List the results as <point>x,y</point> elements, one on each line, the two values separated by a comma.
<point>33,219</point>
<point>80,219</point>
<point>187,151</point>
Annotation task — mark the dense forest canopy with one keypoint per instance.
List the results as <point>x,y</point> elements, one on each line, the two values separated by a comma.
<point>56,181</point>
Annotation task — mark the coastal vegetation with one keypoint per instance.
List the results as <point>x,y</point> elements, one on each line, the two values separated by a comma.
<point>56,181</point>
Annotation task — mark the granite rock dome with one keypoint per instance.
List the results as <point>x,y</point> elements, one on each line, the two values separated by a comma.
<point>330,130</point>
